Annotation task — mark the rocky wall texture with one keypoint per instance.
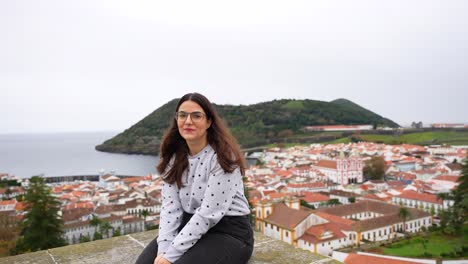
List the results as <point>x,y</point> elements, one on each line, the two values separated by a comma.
<point>125,249</point>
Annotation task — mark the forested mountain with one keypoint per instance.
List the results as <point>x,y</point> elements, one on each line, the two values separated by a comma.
<point>252,125</point>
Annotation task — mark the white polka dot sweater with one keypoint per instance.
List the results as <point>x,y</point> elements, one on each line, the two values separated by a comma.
<point>208,193</point>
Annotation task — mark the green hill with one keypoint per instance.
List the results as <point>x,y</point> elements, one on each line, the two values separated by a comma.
<point>252,125</point>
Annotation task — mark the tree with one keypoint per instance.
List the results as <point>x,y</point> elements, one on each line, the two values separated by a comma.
<point>374,168</point>
<point>245,180</point>
<point>333,202</point>
<point>285,133</point>
<point>145,213</point>
<point>461,196</point>
<point>307,205</point>
<point>97,235</point>
<point>352,199</point>
<point>432,210</point>
<point>84,239</point>
<point>404,214</point>
<point>105,227</point>
<point>42,227</point>
<point>7,194</point>
<point>9,228</point>
<point>453,219</point>
<point>19,198</point>
<point>117,232</point>
<point>9,231</point>
<point>96,222</point>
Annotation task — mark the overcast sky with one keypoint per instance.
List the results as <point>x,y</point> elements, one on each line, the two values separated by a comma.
<point>105,65</point>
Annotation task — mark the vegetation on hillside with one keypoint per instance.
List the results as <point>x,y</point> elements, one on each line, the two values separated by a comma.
<point>252,125</point>
<point>421,138</point>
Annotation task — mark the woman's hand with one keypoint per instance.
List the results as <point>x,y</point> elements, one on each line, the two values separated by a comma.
<point>156,261</point>
<point>161,260</point>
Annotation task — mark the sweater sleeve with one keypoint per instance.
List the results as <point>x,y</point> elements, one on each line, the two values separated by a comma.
<point>217,199</point>
<point>170,216</point>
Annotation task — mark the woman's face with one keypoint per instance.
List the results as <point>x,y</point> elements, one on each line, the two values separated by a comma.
<point>192,122</point>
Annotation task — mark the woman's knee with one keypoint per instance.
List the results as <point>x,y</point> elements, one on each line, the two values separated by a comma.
<point>149,253</point>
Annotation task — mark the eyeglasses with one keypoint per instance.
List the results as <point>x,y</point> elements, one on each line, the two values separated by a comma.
<point>181,116</point>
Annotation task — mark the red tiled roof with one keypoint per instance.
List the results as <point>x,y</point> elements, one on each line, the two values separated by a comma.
<point>450,178</point>
<point>425,197</point>
<point>286,217</point>
<point>103,209</point>
<point>425,171</point>
<point>396,184</point>
<point>302,167</point>
<point>78,194</point>
<point>70,206</point>
<point>360,259</point>
<point>454,166</point>
<point>343,193</point>
<point>331,164</point>
<point>133,179</point>
<point>372,196</point>
<point>255,194</point>
<point>307,185</point>
<point>267,192</point>
<point>360,207</point>
<point>8,202</point>
<point>283,173</point>
<point>335,219</point>
<point>20,206</point>
<point>312,197</point>
<point>131,219</point>
<point>314,233</point>
<point>277,195</point>
<point>69,215</point>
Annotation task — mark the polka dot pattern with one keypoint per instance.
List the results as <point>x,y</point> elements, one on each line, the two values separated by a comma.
<point>208,193</point>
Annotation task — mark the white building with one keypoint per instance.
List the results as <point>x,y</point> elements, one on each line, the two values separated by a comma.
<point>342,171</point>
<point>423,201</point>
<point>327,229</point>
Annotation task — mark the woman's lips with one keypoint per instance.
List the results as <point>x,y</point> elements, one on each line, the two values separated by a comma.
<point>188,130</point>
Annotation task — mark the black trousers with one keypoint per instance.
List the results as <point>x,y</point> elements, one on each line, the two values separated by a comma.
<point>230,241</point>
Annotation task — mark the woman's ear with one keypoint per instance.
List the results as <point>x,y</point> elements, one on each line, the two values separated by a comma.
<point>208,124</point>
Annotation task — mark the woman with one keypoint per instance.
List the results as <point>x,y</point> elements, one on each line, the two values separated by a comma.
<point>204,215</point>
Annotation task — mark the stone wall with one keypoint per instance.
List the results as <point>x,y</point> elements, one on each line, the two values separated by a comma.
<point>125,249</point>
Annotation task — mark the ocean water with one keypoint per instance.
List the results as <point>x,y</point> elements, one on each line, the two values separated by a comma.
<point>62,154</point>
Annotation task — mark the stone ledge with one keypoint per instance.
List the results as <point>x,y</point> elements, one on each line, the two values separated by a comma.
<point>125,249</point>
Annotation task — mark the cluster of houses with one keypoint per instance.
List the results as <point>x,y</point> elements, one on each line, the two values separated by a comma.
<point>126,205</point>
<point>314,197</point>
<point>342,209</point>
<point>329,228</point>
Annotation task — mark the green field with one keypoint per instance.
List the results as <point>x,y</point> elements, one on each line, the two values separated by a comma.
<point>422,138</point>
<point>438,245</point>
<point>340,140</point>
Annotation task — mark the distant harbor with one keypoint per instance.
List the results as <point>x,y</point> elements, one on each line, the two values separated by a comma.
<point>72,178</point>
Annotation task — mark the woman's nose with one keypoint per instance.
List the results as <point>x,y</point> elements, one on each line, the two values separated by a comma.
<point>189,117</point>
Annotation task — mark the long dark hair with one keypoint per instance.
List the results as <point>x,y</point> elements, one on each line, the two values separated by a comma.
<point>218,135</point>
